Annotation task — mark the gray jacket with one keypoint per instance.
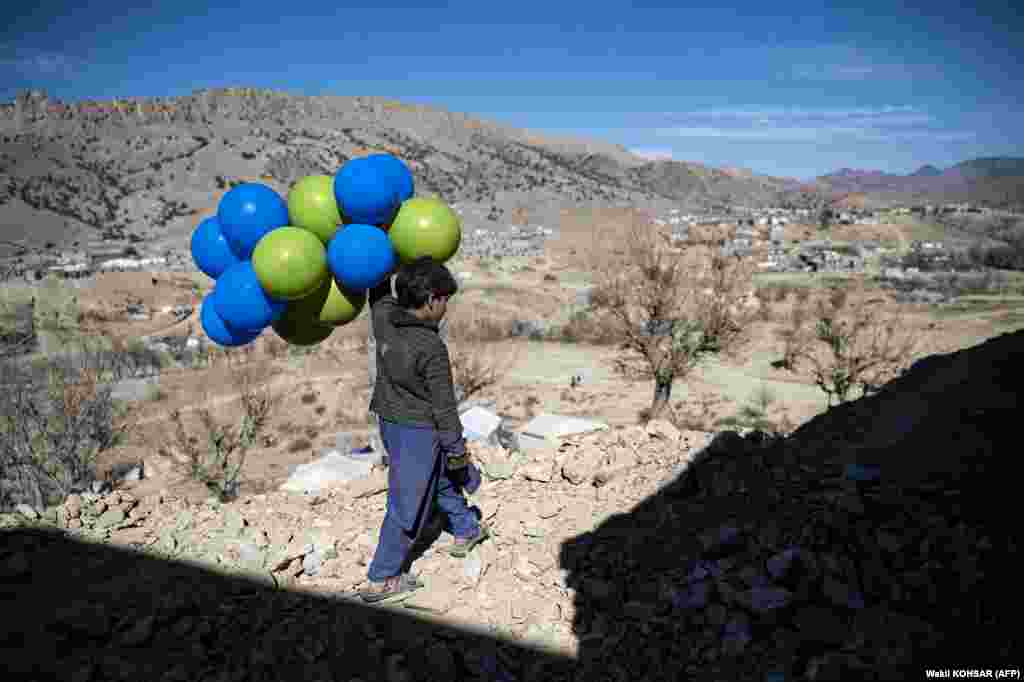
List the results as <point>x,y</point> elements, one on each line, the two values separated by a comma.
<point>411,378</point>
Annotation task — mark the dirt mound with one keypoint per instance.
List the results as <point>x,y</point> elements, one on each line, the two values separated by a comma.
<point>862,547</point>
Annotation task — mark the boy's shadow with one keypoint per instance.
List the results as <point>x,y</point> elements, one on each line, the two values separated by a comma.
<point>432,530</point>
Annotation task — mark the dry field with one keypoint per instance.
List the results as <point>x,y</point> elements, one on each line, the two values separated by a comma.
<point>326,391</point>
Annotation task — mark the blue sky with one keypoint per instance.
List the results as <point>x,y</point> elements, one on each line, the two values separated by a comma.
<point>795,91</point>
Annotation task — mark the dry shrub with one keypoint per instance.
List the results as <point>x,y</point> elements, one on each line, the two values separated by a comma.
<point>56,416</point>
<point>590,327</point>
<point>757,415</point>
<point>300,444</point>
<point>792,336</point>
<point>476,367</point>
<point>470,324</point>
<point>218,462</point>
<point>696,414</point>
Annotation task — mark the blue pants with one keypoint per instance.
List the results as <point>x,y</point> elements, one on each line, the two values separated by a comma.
<point>416,482</point>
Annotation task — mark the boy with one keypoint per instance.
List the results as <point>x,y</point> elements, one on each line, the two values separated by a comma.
<point>414,400</point>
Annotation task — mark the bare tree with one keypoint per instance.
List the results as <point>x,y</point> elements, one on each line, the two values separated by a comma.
<point>671,307</point>
<point>848,343</point>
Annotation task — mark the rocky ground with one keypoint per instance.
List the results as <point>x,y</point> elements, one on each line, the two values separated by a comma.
<point>861,547</point>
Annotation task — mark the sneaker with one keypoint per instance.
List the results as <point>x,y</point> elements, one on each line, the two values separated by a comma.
<point>394,589</point>
<point>461,546</point>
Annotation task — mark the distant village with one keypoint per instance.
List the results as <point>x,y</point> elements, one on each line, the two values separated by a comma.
<point>78,264</point>
<point>761,233</point>
<point>742,231</point>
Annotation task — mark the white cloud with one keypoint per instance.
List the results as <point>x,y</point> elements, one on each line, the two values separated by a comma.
<point>653,154</point>
<point>777,114</point>
<point>822,134</point>
<point>831,72</point>
<point>891,123</point>
<point>838,62</point>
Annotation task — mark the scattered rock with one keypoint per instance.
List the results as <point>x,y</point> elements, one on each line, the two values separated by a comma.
<point>110,518</point>
<point>27,511</point>
<point>330,470</point>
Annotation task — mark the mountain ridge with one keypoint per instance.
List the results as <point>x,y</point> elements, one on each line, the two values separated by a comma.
<point>997,181</point>
<point>142,169</point>
<point>146,166</point>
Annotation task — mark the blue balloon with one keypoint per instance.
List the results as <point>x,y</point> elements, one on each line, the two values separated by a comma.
<point>395,168</point>
<point>210,249</point>
<point>249,211</point>
<point>360,256</point>
<point>366,192</point>
<point>241,302</point>
<point>218,331</point>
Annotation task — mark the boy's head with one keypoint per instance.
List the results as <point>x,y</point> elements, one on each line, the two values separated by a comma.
<point>424,287</point>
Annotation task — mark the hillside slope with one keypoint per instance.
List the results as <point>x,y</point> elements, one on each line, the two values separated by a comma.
<point>145,167</point>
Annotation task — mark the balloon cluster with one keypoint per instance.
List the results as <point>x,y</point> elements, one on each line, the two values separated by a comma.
<point>303,266</point>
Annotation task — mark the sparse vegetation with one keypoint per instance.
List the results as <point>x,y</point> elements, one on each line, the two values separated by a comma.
<point>848,343</point>
<point>588,327</point>
<point>299,444</point>
<point>696,414</point>
<point>755,415</point>
<point>476,367</point>
<point>672,307</point>
<point>825,219</point>
<point>468,325</point>
<point>218,462</point>
<point>56,416</point>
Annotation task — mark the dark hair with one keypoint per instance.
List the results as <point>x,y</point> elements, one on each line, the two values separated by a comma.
<point>419,280</point>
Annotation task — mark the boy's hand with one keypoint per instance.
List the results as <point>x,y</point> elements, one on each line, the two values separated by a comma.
<point>464,474</point>
<point>458,462</point>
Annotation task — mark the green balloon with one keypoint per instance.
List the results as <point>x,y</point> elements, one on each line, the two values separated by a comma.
<point>300,331</point>
<point>425,226</point>
<point>312,206</point>
<point>329,305</point>
<point>290,263</point>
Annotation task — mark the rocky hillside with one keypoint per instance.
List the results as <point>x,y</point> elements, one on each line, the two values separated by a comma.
<point>142,168</point>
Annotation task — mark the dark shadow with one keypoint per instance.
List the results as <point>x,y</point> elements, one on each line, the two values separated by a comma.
<point>83,612</point>
<point>789,559</point>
